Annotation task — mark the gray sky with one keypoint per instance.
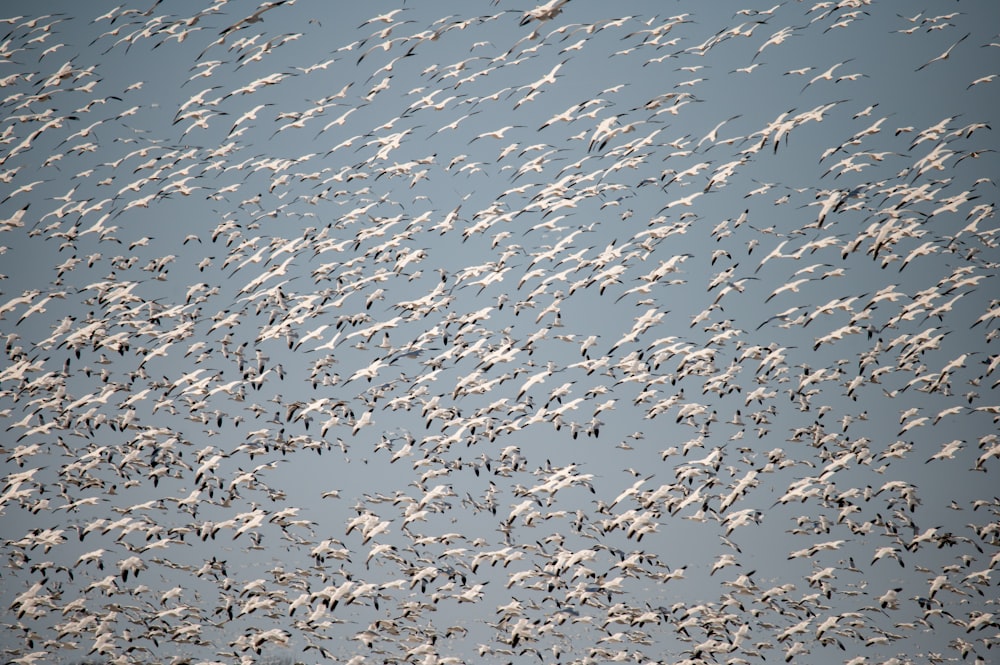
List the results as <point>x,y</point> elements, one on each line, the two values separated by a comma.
<point>269,269</point>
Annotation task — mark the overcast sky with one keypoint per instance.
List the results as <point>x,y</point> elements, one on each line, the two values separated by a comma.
<point>672,325</point>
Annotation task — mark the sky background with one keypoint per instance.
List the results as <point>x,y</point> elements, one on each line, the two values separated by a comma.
<point>656,320</point>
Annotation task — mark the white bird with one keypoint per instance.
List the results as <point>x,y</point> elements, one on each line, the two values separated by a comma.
<point>945,54</point>
<point>496,133</point>
<point>544,12</point>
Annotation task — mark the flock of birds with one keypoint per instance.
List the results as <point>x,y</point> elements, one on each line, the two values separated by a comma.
<point>514,334</point>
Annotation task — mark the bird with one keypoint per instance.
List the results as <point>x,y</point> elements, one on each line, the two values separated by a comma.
<point>544,12</point>
<point>255,17</point>
<point>496,133</point>
<point>944,55</point>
